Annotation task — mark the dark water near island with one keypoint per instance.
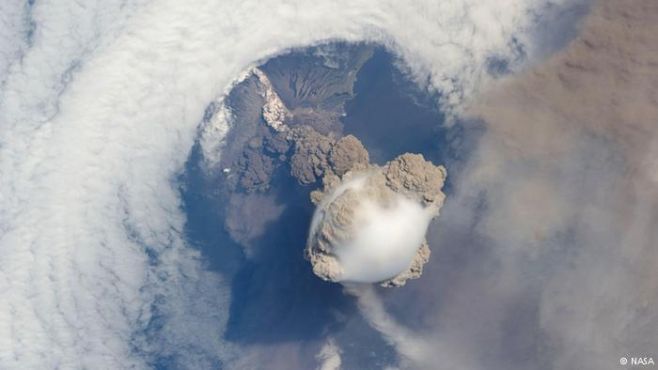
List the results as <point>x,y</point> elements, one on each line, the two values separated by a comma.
<point>391,116</point>
<point>274,295</point>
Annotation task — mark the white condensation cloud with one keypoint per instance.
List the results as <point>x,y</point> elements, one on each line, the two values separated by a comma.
<point>329,356</point>
<point>98,112</point>
<point>559,201</point>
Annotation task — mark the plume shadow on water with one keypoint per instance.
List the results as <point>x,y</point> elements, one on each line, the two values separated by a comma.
<point>275,297</point>
<point>274,294</point>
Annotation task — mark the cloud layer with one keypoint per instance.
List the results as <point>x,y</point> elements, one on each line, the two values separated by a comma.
<point>99,107</point>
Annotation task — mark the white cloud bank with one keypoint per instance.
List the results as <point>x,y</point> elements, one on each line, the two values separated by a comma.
<point>98,110</point>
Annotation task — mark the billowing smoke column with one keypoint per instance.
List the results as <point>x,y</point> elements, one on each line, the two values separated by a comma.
<point>370,221</point>
<point>370,224</point>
